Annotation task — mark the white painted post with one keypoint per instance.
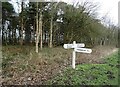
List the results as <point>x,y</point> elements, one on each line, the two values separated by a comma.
<point>77,48</point>
<point>74,55</point>
<point>73,60</point>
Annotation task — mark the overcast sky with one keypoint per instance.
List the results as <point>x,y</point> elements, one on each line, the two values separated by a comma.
<point>107,7</point>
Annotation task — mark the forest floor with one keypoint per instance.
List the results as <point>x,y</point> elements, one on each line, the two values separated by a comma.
<point>22,66</point>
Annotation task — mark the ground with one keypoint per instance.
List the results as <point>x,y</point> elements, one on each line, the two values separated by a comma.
<point>21,65</point>
<point>89,74</point>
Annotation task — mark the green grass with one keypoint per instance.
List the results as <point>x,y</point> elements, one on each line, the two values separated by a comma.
<point>90,74</point>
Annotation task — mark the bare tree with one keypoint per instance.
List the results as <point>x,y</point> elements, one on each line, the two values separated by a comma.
<point>37,30</point>
<point>22,27</point>
<point>40,28</point>
<point>53,10</point>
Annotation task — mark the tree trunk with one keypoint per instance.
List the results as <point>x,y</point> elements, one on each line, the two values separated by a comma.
<point>22,27</point>
<point>10,36</point>
<point>37,37</point>
<point>40,30</point>
<point>14,36</point>
<point>51,30</point>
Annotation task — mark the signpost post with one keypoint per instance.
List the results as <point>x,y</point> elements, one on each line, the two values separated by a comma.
<point>74,55</point>
<point>77,48</point>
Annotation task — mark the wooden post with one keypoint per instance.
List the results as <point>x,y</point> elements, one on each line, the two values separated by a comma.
<point>74,55</point>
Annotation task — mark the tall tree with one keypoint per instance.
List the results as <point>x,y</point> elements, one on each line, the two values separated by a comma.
<point>22,25</point>
<point>53,12</point>
<point>37,28</point>
<point>40,26</point>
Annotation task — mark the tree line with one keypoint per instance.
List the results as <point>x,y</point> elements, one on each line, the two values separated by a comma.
<point>53,24</point>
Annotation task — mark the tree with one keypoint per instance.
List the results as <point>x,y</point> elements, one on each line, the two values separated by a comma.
<point>22,25</point>
<point>37,28</point>
<point>53,12</point>
<point>7,13</point>
<point>40,26</point>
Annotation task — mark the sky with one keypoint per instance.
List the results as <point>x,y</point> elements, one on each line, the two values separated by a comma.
<point>107,8</point>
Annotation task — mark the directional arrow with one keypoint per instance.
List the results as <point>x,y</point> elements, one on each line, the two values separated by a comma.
<point>67,46</point>
<point>83,50</point>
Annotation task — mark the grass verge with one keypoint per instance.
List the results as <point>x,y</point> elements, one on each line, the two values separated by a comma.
<point>90,74</point>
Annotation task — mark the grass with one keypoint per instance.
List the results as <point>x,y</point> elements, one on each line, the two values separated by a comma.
<point>90,74</point>
<point>51,66</point>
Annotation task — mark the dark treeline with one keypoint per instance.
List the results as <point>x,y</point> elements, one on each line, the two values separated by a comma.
<point>53,24</point>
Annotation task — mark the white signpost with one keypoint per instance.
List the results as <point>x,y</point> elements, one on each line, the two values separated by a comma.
<point>77,48</point>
